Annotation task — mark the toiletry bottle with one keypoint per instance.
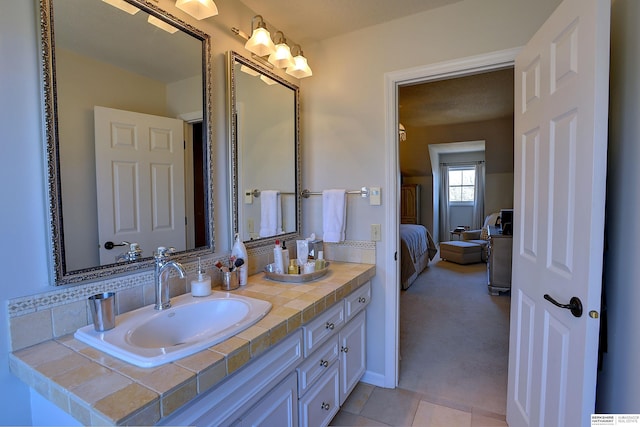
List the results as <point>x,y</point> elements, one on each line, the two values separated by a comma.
<point>320,263</point>
<point>277,258</point>
<point>201,285</point>
<point>285,257</point>
<point>293,267</point>
<point>240,252</point>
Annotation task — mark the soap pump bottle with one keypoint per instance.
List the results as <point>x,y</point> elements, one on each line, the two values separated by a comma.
<point>320,262</point>
<point>240,252</point>
<point>277,258</point>
<point>201,285</point>
<point>285,258</point>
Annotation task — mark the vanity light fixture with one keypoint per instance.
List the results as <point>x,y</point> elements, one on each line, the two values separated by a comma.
<point>282,57</point>
<point>260,42</point>
<point>301,68</point>
<point>266,80</point>
<point>123,5</point>
<point>161,24</point>
<point>402,132</point>
<point>199,9</point>
<point>249,70</point>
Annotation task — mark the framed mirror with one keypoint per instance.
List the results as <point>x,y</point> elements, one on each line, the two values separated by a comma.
<point>265,153</point>
<point>127,107</point>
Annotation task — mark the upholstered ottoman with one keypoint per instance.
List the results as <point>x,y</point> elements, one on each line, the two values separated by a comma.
<point>461,252</point>
<point>484,248</point>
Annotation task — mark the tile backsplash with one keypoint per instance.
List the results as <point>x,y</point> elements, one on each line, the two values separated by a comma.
<point>37,318</point>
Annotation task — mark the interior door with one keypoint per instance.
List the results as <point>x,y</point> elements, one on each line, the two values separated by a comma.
<point>140,181</point>
<point>561,104</point>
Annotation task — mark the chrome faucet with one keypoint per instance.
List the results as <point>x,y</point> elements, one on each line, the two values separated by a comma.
<point>161,276</point>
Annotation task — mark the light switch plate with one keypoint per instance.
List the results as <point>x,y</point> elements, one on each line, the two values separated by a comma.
<point>248,197</point>
<point>374,196</point>
<point>376,233</point>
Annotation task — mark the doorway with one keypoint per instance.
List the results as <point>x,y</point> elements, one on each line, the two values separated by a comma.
<point>492,61</point>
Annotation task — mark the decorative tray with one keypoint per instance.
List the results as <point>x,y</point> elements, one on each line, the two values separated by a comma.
<point>295,278</point>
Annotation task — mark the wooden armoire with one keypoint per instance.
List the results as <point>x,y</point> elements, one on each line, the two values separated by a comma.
<point>410,204</point>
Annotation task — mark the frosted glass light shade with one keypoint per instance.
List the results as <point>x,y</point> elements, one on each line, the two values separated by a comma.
<point>199,9</point>
<point>161,24</point>
<point>260,42</point>
<point>123,5</point>
<point>300,69</point>
<point>282,58</point>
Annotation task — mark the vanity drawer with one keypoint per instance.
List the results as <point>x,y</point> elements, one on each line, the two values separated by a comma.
<point>321,403</point>
<point>317,364</point>
<point>357,300</point>
<point>320,329</point>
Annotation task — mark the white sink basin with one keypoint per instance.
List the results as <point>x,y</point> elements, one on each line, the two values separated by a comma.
<point>147,337</point>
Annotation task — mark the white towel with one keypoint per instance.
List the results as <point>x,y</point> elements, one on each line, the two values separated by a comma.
<point>270,213</point>
<point>334,215</point>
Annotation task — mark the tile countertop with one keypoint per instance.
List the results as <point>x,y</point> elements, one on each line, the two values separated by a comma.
<point>98,389</point>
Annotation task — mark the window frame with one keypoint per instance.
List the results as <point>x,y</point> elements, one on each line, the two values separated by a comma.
<point>462,168</point>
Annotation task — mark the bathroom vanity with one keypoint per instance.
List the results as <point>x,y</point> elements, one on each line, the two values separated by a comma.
<point>296,366</point>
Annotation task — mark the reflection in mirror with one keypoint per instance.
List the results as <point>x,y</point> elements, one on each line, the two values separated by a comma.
<point>265,152</point>
<point>127,96</point>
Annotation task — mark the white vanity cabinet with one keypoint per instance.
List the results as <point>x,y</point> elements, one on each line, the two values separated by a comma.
<point>352,355</point>
<point>334,358</point>
<point>259,384</point>
<point>278,408</point>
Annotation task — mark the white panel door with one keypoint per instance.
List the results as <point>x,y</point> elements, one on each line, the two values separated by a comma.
<point>561,110</point>
<point>140,181</point>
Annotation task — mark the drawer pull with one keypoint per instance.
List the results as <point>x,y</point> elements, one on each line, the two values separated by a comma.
<point>325,406</point>
<point>362,300</point>
<point>344,349</point>
<point>330,326</point>
<point>324,363</point>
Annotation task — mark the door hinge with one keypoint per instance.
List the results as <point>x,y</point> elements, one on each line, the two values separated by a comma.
<point>395,256</point>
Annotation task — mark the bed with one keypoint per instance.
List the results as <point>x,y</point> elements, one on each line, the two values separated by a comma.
<point>416,250</point>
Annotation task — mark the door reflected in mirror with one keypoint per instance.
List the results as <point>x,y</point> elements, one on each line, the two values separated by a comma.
<point>265,156</point>
<point>140,174</point>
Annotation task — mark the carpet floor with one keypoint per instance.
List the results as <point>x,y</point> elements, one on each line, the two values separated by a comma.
<point>454,337</point>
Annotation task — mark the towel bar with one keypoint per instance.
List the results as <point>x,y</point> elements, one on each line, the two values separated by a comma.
<point>256,193</point>
<point>363,192</point>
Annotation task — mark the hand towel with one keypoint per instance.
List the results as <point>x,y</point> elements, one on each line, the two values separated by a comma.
<point>334,215</point>
<point>270,213</point>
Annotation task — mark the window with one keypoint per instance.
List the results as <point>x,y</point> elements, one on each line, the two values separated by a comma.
<point>462,183</point>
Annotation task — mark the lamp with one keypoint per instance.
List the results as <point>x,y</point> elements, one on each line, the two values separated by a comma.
<point>281,58</point>
<point>199,9</point>
<point>402,132</point>
<point>260,42</point>
<point>301,68</point>
<point>123,5</point>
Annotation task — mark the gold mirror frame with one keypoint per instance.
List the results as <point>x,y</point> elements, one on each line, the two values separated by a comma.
<point>57,267</point>
<point>236,194</point>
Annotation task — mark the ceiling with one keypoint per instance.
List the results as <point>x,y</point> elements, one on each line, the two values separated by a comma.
<point>307,21</point>
<point>473,98</point>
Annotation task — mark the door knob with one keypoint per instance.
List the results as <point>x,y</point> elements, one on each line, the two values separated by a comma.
<point>110,245</point>
<point>575,305</point>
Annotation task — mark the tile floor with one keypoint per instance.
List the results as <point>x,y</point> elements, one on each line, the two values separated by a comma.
<point>369,405</point>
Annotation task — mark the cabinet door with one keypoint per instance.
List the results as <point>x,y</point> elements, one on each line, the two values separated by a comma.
<point>357,301</point>
<point>321,403</point>
<point>324,326</point>
<point>278,408</point>
<point>352,355</point>
<point>409,203</point>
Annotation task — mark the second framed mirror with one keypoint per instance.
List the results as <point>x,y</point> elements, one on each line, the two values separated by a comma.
<point>265,153</point>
